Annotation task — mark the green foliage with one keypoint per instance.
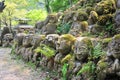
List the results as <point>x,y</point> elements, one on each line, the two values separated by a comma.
<point>66,58</point>
<point>31,64</point>
<point>109,27</point>
<point>63,28</point>
<point>36,15</point>
<point>97,51</point>
<point>13,49</point>
<point>64,71</point>
<point>87,68</point>
<point>61,5</point>
<point>45,50</point>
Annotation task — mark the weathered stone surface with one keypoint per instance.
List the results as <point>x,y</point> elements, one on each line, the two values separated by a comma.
<point>114,49</point>
<point>65,43</point>
<point>27,40</point>
<point>82,48</point>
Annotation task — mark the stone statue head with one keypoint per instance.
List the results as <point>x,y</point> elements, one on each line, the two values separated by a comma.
<point>82,48</point>
<point>65,43</point>
<point>27,40</point>
<point>114,47</point>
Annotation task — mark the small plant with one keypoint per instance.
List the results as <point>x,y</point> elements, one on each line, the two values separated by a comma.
<point>88,68</point>
<point>64,71</point>
<point>13,49</point>
<point>97,51</point>
<point>63,28</point>
<point>45,50</point>
<point>109,27</point>
<point>31,64</point>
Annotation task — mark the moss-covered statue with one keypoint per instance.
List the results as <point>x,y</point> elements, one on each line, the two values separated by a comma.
<point>65,43</point>
<point>27,40</point>
<point>77,28</point>
<point>82,50</point>
<point>113,54</point>
<point>7,40</point>
<point>64,48</point>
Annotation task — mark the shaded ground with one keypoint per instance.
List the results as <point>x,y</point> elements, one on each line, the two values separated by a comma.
<point>11,69</point>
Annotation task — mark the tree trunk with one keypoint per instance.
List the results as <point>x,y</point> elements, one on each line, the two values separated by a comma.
<point>47,6</point>
<point>70,2</point>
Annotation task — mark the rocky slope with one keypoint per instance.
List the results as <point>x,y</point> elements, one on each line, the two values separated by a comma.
<point>81,43</point>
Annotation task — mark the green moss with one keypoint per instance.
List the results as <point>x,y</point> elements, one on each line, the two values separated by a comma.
<point>82,15</point>
<point>66,58</point>
<point>88,42</point>
<point>45,50</point>
<point>117,36</point>
<point>87,68</point>
<point>68,37</point>
<point>106,40</point>
<point>89,9</point>
<point>101,65</point>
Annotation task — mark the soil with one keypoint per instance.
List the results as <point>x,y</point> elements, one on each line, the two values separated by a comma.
<point>12,69</point>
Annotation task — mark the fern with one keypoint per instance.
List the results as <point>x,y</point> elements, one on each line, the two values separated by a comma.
<point>97,51</point>
<point>45,50</point>
<point>64,71</point>
<point>87,68</point>
<point>63,28</point>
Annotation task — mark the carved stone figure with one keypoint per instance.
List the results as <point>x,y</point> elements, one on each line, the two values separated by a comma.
<point>65,43</point>
<point>27,40</point>
<point>51,40</point>
<point>18,40</point>
<point>50,28</point>
<point>36,39</point>
<point>113,55</point>
<point>7,40</point>
<point>82,48</point>
<point>78,27</point>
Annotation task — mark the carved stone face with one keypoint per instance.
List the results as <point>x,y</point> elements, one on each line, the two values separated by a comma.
<point>51,40</point>
<point>114,47</point>
<point>27,40</point>
<point>75,28</point>
<point>81,49</point>
<point>19,39</point>
<point>64,45</point>
<point>37,39</point>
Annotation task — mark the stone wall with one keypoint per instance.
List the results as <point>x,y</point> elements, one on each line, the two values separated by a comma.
<point>85,38</point>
